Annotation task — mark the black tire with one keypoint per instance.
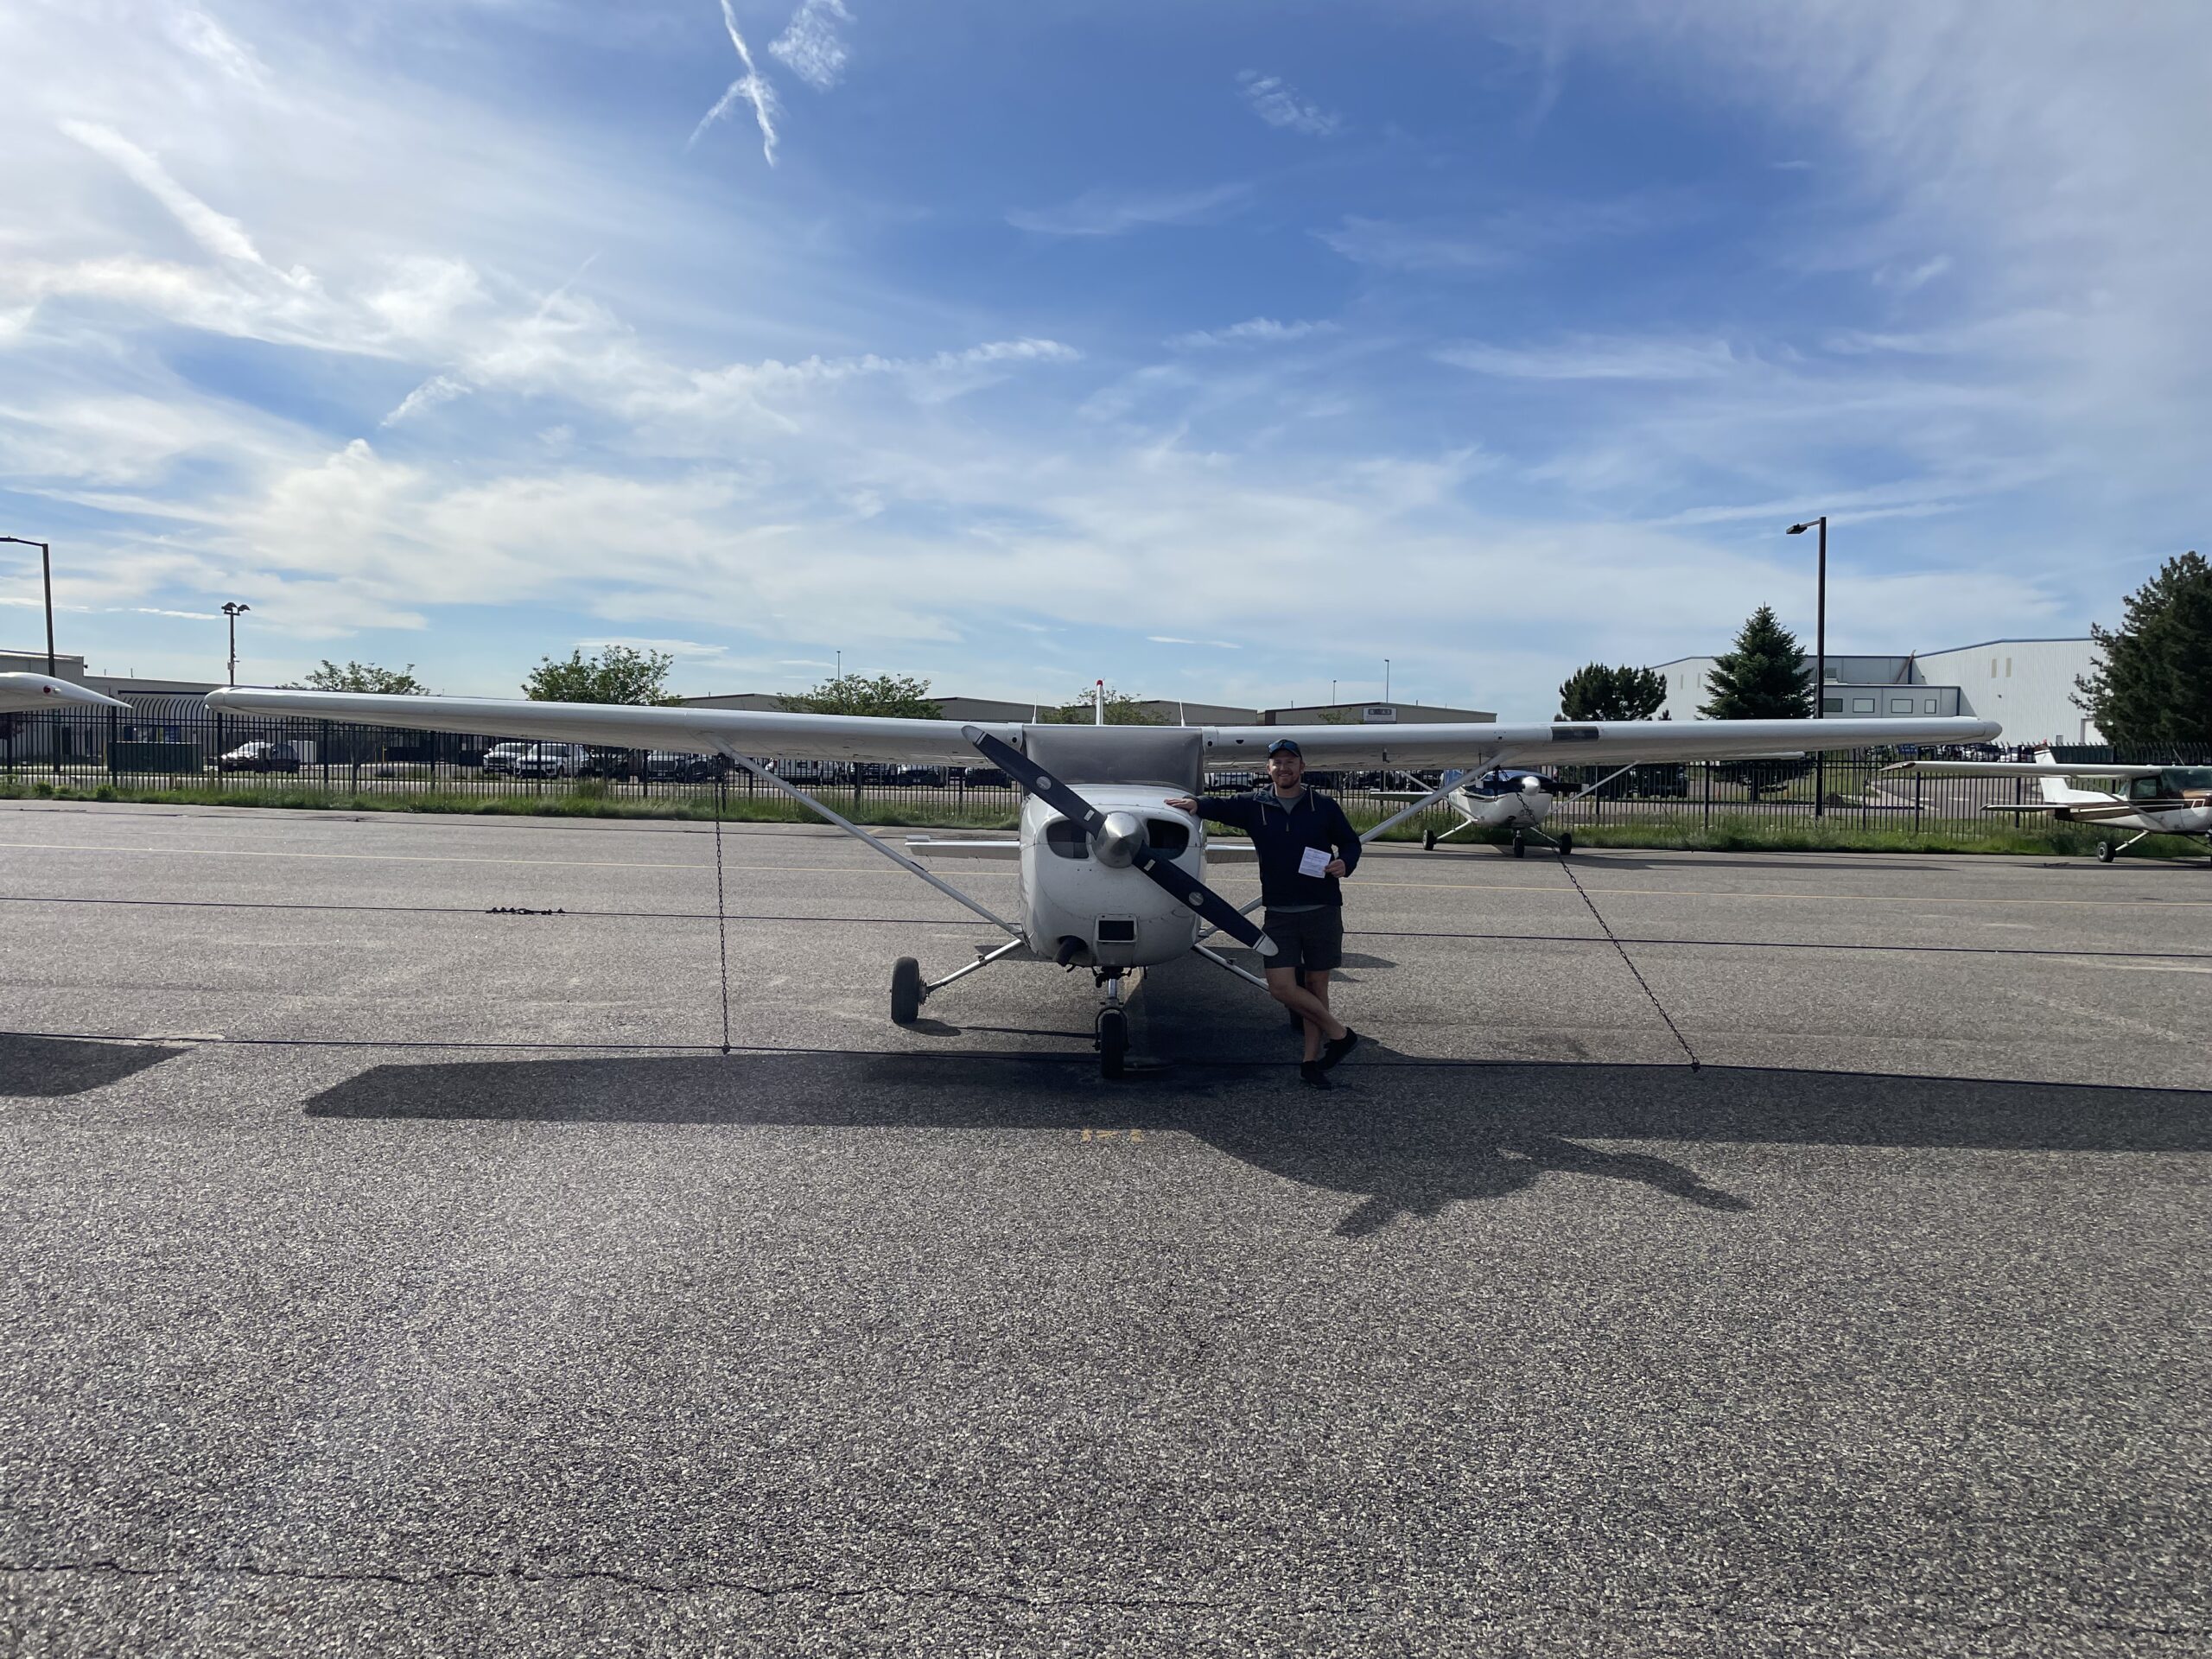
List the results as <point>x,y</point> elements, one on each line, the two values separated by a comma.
<point>1428,840</point>
<point>905,991</point>
<point>1113,1043</point>
<point>1520,845</point>
<point>1565,842</point>
<point>2104,852</point>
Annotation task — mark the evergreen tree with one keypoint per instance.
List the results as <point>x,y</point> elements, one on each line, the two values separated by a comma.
<point>618,674</point>
<point>1596,692</point>
<point>1765,677</point>
<point>859,694</point>
<point>2153,682</point>
<point>362,677</point>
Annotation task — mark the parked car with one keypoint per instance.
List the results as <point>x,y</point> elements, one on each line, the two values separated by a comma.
<point>984,778</point>
<point>501,757</point>
<point>916,777</point>
<point>553,760</point>
<point>678,765</point>
<point>259,756</point>
<point>612,763</point>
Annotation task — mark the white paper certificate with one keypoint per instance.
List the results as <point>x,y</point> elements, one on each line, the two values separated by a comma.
<point>1314,860</point>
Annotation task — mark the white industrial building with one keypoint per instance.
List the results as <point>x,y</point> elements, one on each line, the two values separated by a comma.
<point>2027,685</point>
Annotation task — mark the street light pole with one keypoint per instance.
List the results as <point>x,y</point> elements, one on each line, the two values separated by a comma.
<point>1820,657</point>
<point>233,609</point>
<point>46,569</point>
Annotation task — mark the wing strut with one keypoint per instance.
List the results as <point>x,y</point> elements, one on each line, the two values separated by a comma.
<point>852,829</point>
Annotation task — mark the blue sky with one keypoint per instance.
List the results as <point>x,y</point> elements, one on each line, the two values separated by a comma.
<point>1222,350</point>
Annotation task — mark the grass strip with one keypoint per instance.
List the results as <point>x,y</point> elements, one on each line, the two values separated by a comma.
<point>1727,833</point>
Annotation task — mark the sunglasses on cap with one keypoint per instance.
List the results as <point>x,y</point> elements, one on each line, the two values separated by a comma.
<point>1284,746</point>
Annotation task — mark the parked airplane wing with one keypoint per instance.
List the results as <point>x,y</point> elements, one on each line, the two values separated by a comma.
<point>1566,743</point>
<point>618,725</point>
<point>2022,769</point>
<point>28,693</point>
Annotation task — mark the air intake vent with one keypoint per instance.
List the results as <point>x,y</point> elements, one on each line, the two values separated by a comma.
<point>1116,929</point>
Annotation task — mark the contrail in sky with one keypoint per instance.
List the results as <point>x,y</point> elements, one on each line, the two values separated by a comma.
<point>748,86</point>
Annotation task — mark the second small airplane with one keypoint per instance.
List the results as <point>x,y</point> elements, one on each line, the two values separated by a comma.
<point>1501,799</point>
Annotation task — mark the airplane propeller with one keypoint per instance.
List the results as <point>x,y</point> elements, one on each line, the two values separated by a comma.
<point>1118,839</point>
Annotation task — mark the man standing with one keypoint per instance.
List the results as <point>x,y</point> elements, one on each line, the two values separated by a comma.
<point>1306,846</point>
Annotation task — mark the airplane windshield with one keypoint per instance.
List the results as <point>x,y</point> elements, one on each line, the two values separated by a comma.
<point>2174,779</point>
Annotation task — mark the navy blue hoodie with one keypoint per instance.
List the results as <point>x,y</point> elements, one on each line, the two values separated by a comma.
<point>1281,832</point>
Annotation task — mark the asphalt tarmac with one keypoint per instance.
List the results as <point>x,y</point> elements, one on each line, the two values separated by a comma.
<point>392,1266</point>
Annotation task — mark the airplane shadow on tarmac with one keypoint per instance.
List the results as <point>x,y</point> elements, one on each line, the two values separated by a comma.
<point>51,1067</point>
<point>1404,1137</point>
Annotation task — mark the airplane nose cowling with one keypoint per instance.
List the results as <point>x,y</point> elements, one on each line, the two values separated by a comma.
<point>1119,839</point>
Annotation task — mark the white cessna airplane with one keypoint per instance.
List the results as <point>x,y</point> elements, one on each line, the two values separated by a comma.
<point>1502,797</point>
<point>25,694</point>
<point>2150,800</point>
<point>1113,879</point>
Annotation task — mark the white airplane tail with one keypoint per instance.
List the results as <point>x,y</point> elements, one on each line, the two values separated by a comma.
<point>2061,790</point>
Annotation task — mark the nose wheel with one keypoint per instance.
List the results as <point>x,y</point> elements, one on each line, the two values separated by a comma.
<point>1113,1043</point>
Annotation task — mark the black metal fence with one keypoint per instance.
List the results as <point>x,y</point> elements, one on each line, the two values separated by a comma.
<point>178,744</point>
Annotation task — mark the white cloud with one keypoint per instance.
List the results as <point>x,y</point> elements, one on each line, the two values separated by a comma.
<point>810,46</point>
<point>749,87</point>
<point>1907,279</point>
<point>438,388</point>
<point>1279,103</point>
<point>1586,357</point>
<point>201,35</point>
<point>1173,639</point>
<point>1108,213</point>
<point>1493,241</point>
<point>219,234</point>
<point>1254,331</point>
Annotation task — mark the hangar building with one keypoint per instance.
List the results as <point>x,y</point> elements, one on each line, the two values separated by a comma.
<point>2026,684</point>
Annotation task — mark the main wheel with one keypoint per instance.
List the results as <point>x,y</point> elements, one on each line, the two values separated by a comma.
<point>1113,1042</point>
<point>905,991</point>
<point>1520,845</point>
<point>1565,842</point>
<point>2104,852</point>
<point>1428,840</point>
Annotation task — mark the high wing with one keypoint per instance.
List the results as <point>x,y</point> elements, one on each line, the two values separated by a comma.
<point>880,738</point>
<point>619,725</point>
<point>27,693</point>
<point>1566,743</point>
<point>2022,769</point>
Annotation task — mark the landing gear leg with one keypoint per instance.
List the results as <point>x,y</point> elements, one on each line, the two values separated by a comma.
<point>1113,1029</point>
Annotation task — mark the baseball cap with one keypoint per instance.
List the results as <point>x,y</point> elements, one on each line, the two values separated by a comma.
<point>1285,746</point>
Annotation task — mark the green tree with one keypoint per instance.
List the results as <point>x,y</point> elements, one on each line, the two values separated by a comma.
<point>1596,692</point>
<point>1121,710</point>
<point>857,694</point>
<point>362,677</point>
<point>617,674</point>
<point>2153,681</point>
<point>1765,677</point>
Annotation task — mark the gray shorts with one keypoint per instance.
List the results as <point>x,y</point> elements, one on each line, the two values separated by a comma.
<point>1305,938</point>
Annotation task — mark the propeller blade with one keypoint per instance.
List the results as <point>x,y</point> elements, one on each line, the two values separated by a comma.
<point>1179,885</point>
